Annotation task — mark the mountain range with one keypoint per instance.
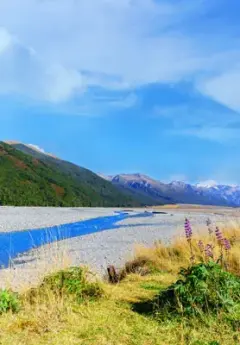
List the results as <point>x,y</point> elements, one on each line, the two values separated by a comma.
<point>156,192</point>
<point>29,176</point>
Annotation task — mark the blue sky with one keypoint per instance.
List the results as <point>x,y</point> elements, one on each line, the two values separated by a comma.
<point>117,86</point>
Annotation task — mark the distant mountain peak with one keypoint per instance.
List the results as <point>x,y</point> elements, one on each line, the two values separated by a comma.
<point>178,183</point>
<point>204,193</point>
<point>11,142</point>
<point>135,176</point>
<point>105,177</point>
<point>40,150</point>
<point>33,147</point>
<point>207,184</point>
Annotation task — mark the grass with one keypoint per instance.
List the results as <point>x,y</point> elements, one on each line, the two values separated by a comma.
<point>67,308</point>
<point>170,258</point>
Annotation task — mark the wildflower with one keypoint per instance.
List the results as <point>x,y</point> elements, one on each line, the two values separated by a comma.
<point>219,235</point>
<point>188,233</point>
<point>188,229</point>
<point>220,239</point>
<point>209,251</point>
<point>226,244</point>
<point>201,246</point>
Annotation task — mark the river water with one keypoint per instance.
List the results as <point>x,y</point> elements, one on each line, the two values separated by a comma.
<point>14,243</point>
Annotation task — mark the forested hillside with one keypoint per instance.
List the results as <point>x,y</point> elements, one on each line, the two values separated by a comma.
<point>28,181</point>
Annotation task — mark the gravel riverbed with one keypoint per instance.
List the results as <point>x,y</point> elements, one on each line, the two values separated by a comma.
<point>95,250</point>
<point>25,218</point>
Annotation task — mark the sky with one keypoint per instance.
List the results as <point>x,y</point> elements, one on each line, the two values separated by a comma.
<point>124,86</point>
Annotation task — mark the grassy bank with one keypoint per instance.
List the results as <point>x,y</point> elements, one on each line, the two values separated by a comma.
<point>71,307</point>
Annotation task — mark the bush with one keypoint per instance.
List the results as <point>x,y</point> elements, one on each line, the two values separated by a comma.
<point>72,282</point>
<point>204,288</point>
<point>8,301</point>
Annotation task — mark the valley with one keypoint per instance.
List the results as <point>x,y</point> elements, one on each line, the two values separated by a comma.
<point>95,237</point>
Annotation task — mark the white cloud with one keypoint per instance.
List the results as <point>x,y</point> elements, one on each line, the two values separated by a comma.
<point>201,120</point>
<point>224,88</point>
<point>5,40</point>
<point>217,134</point>
<point>115,44</point>
<point>126,101</point>
<point>62,83</point>
<point>110,37</point>
<point>36,147</point>
<point>23,72</point>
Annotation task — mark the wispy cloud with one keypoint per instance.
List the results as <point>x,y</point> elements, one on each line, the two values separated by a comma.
<point>115,100</point>
<point>53,50</point>
<point>200,120</point>
<point>24,73</point>
<point>217,134</point>
<point>224,88</point>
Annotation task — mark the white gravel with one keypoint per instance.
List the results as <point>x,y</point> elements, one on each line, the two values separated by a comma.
<point>25,218</point>
<point>95,250</point>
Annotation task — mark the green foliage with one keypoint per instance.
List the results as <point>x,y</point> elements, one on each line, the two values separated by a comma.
<point>151,286</point>
<point>28,181</point>
<point>204,288</point>
<point>204,343</point>
<point>8,301</point>
<point>72,282</point>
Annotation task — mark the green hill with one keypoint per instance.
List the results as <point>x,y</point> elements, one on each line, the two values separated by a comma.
<point>82,175</point>
<point>28,180</point>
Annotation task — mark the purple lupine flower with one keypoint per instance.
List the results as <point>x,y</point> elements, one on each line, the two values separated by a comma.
<point>226,244</point>
<point>188,229</point>
<point>209,251</point>
<point>219,234</point>
<point>201,246</point>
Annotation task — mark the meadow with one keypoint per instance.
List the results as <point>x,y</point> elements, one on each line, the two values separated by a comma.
<point>186,292</point>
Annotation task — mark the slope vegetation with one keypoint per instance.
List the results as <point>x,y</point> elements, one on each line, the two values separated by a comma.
<point>27,180</point>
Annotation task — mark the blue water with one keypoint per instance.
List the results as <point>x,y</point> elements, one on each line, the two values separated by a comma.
<point>13,244</point>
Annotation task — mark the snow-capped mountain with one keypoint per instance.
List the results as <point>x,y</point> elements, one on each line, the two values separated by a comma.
<point>156,192</point>
<point>207,184</point>
<point>229,193</point>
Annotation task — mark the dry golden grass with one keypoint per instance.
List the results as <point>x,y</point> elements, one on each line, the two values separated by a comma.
<point>56,319</point>
<point>172,257</point>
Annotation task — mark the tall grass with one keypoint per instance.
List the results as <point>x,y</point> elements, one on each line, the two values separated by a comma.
<point>177,254</point>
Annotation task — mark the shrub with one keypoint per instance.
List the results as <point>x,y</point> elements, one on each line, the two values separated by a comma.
<point>205,287</point>
<point>8,301</point>
<point>72,282</point>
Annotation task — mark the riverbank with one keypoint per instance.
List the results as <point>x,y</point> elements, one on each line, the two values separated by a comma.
<point>25,218</point>
<point>97,250</point>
